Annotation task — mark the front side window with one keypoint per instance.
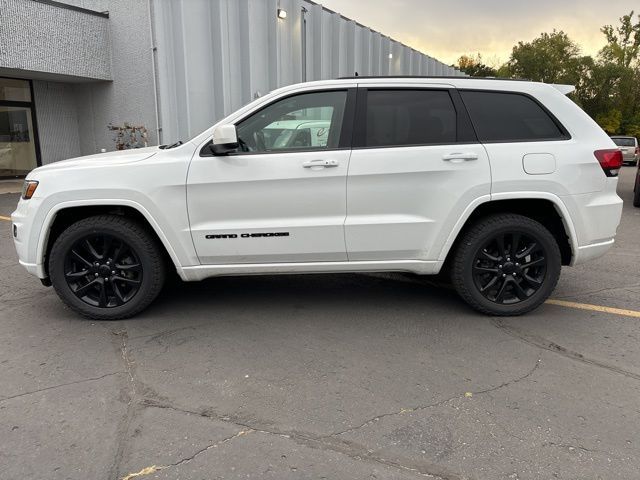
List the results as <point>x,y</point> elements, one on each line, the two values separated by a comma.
<point>409,117</point>
<point>509,117</point>
<point>309,121</point>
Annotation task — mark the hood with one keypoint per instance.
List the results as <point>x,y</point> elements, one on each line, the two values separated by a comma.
<point>110,158</point>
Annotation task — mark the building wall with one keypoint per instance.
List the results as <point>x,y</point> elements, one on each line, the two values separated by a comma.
<point>43,38</point>
<point>57,118</point>
<point>130,96</point>
<point>214,56</point>
<point>101,68</point>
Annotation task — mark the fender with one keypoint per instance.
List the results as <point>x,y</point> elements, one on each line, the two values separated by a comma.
<point>556,200</point>
<point>43,236</point>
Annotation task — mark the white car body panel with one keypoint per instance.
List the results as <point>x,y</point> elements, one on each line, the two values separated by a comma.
<point>393,213</point>
<point>398,208</point>
<point>270,193</point>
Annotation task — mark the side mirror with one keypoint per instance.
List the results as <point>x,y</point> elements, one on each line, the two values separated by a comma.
<point>225,140</point>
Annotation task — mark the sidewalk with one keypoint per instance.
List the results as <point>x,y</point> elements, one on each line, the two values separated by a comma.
<point>10,186</point>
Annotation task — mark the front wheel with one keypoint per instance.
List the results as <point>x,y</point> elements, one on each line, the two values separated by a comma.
<point>506,264</point>
<point>107,267</point>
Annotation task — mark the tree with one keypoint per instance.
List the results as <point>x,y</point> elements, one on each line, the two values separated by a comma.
<point>474,66</point>
<point>623,42</point>
<point>607,87</point>
<point>610,121</point>
<point>551,58</point>
<point>614,83</point>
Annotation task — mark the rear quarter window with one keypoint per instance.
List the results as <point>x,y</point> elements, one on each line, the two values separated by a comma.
<point>510,117</point>
<point>624,142</point>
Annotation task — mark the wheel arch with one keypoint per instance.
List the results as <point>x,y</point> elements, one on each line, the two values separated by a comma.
<point>541,206</point>
<point>64,214</point>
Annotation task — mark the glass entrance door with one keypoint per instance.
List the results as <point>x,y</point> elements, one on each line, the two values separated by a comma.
<point>18,142</point>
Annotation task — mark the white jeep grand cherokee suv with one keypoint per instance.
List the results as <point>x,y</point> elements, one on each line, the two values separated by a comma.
<point>496,182</point>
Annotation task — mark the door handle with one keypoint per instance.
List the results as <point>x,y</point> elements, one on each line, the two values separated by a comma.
<point>460,156</point>
<point>320,163</point>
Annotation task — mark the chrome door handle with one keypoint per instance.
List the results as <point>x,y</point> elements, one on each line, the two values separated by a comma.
<point>320,163</point>
<point>460,156</point>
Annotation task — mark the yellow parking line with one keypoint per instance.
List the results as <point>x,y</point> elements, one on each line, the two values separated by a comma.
<point>595,308</point>
<point>561,303</point>
<point>6,219</point>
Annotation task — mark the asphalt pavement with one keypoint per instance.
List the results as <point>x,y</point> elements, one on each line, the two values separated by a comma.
<point>324,376</point>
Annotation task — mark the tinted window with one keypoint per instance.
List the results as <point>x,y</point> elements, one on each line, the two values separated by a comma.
<point>504,117</point>
<point>302,122</point>
<point>624,142</point>
<point>409,117</point>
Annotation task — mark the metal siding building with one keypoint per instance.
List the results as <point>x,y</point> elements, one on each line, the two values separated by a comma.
<point>174,66</point>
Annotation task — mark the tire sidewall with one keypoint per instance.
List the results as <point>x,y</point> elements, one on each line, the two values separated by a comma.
<point>57,265</point>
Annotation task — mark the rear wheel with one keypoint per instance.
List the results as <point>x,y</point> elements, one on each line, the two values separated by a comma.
<point>106,267</point>
<point>506,264</point>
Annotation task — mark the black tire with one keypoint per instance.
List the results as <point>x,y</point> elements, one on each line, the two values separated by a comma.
<point>636,190</point>
<point>107,294</point>
<point>518,287</point>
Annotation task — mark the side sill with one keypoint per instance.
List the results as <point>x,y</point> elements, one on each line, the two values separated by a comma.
<point>201,272</point>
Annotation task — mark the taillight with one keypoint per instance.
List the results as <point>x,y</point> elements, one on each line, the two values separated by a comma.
<point>610,161</point>
<point>637,150</point>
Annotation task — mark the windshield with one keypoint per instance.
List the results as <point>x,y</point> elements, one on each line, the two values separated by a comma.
<point>624,142</point>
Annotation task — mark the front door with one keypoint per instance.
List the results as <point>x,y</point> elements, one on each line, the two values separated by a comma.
<point>415,168</point>
<point>282,196</point>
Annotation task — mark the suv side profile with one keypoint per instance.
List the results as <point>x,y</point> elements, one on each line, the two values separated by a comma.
<point>496,183</point>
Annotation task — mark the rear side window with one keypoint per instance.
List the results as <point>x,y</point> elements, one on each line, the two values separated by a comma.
<point>409,117</point>
<point>509,117</point>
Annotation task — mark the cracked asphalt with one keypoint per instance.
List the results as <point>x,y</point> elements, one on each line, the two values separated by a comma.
<point>326,376</point>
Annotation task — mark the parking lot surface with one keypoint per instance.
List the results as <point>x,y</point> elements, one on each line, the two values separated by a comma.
<point>325,376</point>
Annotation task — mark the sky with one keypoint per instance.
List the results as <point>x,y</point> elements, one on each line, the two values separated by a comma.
<point>448,29</point>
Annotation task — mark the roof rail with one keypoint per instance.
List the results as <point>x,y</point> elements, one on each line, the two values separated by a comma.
<point>358,77</point>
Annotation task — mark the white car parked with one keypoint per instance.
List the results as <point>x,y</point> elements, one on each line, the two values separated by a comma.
<point>496,182</point>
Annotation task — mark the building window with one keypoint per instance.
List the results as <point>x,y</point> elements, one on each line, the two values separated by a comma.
<point>19,153</point>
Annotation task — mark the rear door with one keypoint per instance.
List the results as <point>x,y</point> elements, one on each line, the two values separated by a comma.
<point>414,169</point>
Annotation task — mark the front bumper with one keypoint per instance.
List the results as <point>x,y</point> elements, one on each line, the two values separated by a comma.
<point>24,220</point>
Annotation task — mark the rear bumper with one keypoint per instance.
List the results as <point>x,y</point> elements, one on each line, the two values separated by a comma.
<point>589,252</point>
<point>595,217</point>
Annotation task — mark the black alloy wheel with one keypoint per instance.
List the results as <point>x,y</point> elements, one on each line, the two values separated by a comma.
<point>509,268</point>
<point>103,271</point>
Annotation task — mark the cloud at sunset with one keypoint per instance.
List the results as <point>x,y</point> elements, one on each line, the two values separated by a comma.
<point>447,30</point>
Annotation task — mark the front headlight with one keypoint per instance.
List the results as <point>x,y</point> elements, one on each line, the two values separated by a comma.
<point>28,189</point>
